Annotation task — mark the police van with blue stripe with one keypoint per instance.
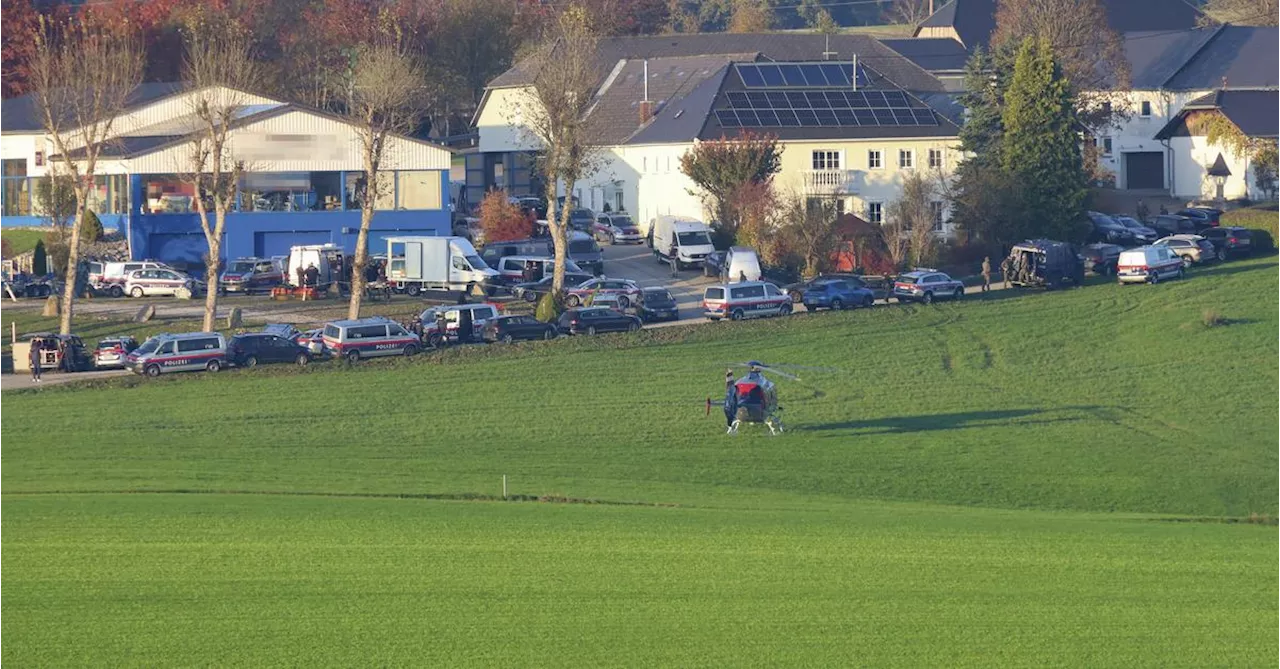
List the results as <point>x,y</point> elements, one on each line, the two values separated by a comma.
<point>189,352</point>
<point>369,338</point>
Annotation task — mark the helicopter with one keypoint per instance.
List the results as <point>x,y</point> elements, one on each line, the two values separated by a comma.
<point>754,397</point>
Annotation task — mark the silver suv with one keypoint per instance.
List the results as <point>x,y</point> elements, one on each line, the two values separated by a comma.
<point>926,285</point>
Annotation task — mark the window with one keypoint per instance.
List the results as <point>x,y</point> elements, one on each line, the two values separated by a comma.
<point>875,160</point>
<point>875,212</point>
<point>460,263</point>
<point>166,349</point>
<point>906,158</point>
<point>644,165</point>
<point>188,345</point>
<point>826,160</point>
<point>1106,146</point>
<point>935,208</point>
<point>935,159</point>
<point>418,189</point>
<point>1146,108</point>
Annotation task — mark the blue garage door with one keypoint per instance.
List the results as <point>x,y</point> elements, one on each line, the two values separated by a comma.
<point>267,244</point>
<point>378,238</point>
<point>183,248</point>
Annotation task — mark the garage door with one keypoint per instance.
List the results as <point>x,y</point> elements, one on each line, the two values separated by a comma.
<point>183,249</point>
<point>1144,170</point>
<point>267,244</point>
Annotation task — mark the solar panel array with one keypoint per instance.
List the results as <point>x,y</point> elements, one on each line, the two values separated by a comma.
<point>822,108</point>
<point>799,75</point>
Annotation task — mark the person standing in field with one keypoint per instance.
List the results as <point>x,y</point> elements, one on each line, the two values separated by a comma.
<point>1005,266</point>
<point>986,273</point>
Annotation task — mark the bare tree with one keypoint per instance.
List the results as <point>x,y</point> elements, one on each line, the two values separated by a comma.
<point>384,101</point>
<point>909,12</point>
<point>1090,52</point>
<point>220,68</point>
<point>810,227</point>
<point>562,94</point>
<point>908,231</point>
<point>82,74</point>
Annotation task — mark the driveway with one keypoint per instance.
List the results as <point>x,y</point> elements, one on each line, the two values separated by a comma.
<point>23,380</point>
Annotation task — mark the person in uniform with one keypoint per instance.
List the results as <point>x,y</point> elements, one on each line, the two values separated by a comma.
<point>312,276</point>
<point>986,273</point>
<point>442,328</point>
<point>730,400</point>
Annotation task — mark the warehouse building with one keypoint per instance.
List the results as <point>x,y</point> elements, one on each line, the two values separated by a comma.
<point>303,184</point>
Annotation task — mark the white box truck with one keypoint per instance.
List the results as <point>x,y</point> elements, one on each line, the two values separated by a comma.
<point>435,263</point>
<point>681,240</point>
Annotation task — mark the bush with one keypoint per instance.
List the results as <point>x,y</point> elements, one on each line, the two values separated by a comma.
<point>501,220</point>
<point>1258,218</point>
<point>91,230</point>
<point>1211,318</point>
<point>550,306</point>
<point>1262,241</point>
<point>6,249</point>
<point>58,253</point>
<point>40,263</point>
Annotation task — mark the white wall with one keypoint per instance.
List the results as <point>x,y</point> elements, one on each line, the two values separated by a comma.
<point>1192,158</point>
<point>334,146</point>
<point>14,147</point>
<point>501,121</point>
<point>1136,133</point>
<point>650,180</point>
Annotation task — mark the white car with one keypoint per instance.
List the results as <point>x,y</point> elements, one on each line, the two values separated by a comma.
<point>143,282</point>
<point>1148,264</point>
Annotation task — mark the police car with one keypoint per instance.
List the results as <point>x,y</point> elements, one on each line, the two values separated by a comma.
<point>369,338</point>
<point>748,299</point>
<point>190,352</point>
<point>926,285</point>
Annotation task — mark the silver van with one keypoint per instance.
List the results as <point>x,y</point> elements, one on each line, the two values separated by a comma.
<point>369,338</point>
<point>189,352</point>
<point>748,299</point>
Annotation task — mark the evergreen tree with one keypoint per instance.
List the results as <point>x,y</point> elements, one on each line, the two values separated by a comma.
<point>980,191</point>
<point>39,263</point>
<point>1040,148</point>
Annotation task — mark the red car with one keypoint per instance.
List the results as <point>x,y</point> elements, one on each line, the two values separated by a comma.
<point>628,291</point>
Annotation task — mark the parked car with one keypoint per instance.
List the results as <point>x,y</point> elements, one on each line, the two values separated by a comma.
<point>1101,258</point>
<point>628,291</point>
<point>617,228</point>
<point>836,294</point>
<point>609,301</point>
<point>245,275</point>
<point>1232,240</point>
<point>1141,233</point>
<point>584,251</point>
<point>110,277</point>
<point>479,314</point>
<point>925,286</point>
<point>1193,249</point>
<point>58,352</point>
<point>796,289</point>
<point>742,264</point>
<point>657,304</point>
<point>1204,217</point>
<point>369,337</point>
<point>714,264</point>
<point>532,291</point>
<point>111,352</point>
<point>1170,224</point>
<point>594,320</point>
<point>1045,263</point>
<point>747,299</point>
<point>144,282</point>
<point>1107,229</point>
<point>507,329</point>
<point>582,219</point>
<point>494,252</point>
<point>511,269</point>
<point>249,349</point>
<point>190,352</point>
<point>1148,264</point>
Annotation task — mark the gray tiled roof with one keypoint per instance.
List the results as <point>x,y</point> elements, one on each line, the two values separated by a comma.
<point>1255,112</point>
<point>771,46</point>
<point>1155,56</point>
<point>931,53</point>
<point>22,114</point>
<point>616,114</point>
<point>1245,56</point>
<point>682,119</point>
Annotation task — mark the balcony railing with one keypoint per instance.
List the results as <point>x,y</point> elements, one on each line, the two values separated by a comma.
<point>829,181</point>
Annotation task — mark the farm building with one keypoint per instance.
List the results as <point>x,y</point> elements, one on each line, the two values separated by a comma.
<point>303,186</point>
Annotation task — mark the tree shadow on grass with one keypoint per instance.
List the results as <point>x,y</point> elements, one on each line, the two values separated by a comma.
<point>952,421</point>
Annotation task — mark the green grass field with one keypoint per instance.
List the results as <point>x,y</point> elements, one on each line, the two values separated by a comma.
<point>22,240</point>
<point>1031,479</point>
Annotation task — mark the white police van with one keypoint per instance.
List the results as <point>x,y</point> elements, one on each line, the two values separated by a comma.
<point>369,338</point>
<point>748,299</point>
<point>189,352</point>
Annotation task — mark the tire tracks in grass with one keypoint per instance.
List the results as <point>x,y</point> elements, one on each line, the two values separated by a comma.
<point>454,497</point>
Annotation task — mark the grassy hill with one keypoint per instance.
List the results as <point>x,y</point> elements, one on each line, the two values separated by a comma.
<point>999,481</point>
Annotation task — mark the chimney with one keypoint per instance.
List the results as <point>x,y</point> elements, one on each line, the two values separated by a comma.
<point>646,112</point>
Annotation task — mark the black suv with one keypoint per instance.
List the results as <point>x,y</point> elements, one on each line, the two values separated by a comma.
<point>1203,217</point>
<point>247,350</point>
<point>590,320</point>
<point>657,304</point>
<point>507,329</point>
<point>1229,240</point>
<point>1102,259</point>
<point>1173,224</point>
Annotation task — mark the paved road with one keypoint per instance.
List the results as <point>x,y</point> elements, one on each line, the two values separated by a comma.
<point>23,380</point>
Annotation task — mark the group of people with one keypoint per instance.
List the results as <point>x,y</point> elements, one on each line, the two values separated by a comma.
<point>36,355</point>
